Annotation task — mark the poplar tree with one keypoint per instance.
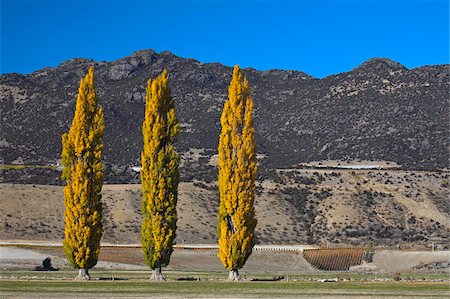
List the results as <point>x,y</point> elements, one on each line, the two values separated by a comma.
<point>159,175</point>
<point>237,173</point>
<point>82,153</point>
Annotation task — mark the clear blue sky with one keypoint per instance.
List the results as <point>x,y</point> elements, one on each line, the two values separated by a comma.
<point>318,37</point>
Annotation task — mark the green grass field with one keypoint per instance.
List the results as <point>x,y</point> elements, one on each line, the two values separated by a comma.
<point>28,284</point>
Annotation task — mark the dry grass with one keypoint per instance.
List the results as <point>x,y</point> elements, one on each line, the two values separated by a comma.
<point>335,203</point>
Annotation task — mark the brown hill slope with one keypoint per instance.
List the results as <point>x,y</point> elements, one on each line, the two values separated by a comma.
<point>301,206</point>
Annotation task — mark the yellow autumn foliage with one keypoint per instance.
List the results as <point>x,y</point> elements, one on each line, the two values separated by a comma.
<point>82,152</point>
<point>237,173</point>
<point>159,173</point>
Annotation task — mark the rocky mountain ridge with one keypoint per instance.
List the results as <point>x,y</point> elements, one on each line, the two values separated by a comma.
<point>379,111</point>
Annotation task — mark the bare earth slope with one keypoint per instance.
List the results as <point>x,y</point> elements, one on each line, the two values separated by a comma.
<point>340,207</point>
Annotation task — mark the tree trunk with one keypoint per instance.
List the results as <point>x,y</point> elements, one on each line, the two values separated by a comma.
<point>83,274</point>
<point>234,276</point>
<point>156,274</point>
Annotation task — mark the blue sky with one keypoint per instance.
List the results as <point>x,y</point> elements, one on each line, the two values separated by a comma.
<point>318,37</point>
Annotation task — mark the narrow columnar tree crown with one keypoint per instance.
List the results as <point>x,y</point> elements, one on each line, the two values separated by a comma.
<point>237,172</point>
<point>82,153</point>
<point>159,174</point>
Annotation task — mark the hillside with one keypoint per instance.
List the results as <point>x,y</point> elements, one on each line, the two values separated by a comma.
<point>379,111</point>
<point>321,207</point>
<point>308,130</point>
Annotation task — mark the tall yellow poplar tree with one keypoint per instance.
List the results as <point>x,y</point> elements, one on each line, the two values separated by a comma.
<point>82,152</point>
<point>159,175</point>
<point>237,173</point>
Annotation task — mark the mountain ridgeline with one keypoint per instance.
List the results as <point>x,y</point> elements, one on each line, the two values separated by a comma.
<point>379,111</point>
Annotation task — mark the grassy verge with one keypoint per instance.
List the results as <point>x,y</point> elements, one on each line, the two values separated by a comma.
<point>221,289</point>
